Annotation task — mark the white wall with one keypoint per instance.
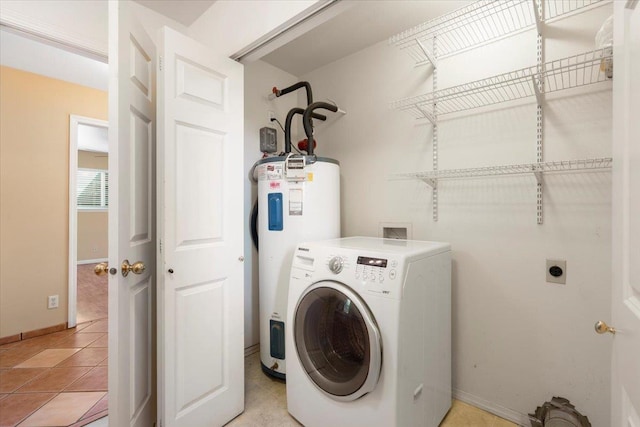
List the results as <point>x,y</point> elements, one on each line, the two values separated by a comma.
<point>259,78</point>
<point>517,340</point>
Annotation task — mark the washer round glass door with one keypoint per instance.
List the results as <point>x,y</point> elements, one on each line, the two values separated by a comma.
<point>337,341</point>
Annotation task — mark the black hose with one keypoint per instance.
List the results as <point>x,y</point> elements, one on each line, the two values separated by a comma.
<point>287,128</point>
<point>253,222</point>
<point>307,86</point>
<point>296,86</point>
<point>287,125</point>
<point>306,121</point>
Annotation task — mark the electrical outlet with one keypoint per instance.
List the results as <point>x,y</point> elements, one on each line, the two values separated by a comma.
<point>52,301</point>
<point>95,249</point>
<point>557,271</point>
<point>272,116</point>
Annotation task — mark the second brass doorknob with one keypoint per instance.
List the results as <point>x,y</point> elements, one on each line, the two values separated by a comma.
<point>135,268</point>
<point>603,328</point>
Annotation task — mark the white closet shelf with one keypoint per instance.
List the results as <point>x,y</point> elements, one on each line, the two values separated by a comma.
<point>479,23</point>
<point>537,169</point>
<point>566,73</point>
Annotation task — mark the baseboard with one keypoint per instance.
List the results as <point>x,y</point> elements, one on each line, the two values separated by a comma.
<point>34,333</point>
<point>92,261</point>
<point>10,338</point>
<point>251,350</point>
<point>495,409</point>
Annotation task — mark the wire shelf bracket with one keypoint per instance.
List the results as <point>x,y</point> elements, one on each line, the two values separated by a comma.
<point>430,57</point>
<point>538,18</point>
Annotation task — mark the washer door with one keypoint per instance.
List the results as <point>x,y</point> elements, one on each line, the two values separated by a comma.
<point>337,341</point>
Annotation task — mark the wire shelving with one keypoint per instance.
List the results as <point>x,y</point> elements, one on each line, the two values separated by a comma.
<point>574,71</point>
<point>479,23</point>
<point>482,22</point>
<point>536,169</point>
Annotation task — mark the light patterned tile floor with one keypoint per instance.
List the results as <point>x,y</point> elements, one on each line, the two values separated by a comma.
<point>266,405</point>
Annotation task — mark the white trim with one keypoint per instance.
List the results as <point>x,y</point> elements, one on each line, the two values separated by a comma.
<point>494,408</point>
<point>93,210</point>
<point>92,261</point>
<point>291,29</point>
<point>251,350</point>
<point>53,34</point>
<point>74,121</point>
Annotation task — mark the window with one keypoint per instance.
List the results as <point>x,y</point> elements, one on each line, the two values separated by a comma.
<point>92,189</point>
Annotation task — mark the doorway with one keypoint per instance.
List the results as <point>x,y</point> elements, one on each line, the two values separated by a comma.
<point>88,219</point>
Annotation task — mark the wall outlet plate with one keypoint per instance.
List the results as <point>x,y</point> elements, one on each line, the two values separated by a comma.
<point>52,301</point>
<point>557,271</point>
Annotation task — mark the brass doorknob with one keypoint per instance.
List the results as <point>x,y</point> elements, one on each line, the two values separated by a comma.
<point>101,269</point>
<point>135,268</point>
<point>603,328</point>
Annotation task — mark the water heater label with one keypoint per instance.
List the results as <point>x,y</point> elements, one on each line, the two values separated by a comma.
<point>295,201</point>
<point>270,172</point>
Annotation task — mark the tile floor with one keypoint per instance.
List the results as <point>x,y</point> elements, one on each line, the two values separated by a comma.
<point>93,294</point>
<point>58,379</point>
<point>266,405</point>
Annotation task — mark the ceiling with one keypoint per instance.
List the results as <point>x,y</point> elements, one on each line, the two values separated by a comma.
<point>34,56</point>
<point>366,23</point>
<point>184,11</point>
<point>362,24</point>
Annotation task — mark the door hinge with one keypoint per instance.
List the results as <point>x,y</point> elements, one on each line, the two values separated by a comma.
<point>160,245</point>
<point>161,62</point>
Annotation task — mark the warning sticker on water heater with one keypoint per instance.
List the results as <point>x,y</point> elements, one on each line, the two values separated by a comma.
<point>295,201</point>
<point>270,172</point>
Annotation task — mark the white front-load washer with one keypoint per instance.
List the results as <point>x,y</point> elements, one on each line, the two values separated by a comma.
<point>369,341</point>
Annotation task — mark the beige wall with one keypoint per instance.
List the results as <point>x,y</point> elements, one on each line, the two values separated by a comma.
<point>92,225</point>
<point>34,152</point>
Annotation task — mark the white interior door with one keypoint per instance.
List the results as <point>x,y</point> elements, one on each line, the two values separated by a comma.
<point>132,388</point>
<point>200,227</point>
<point>626,216</point>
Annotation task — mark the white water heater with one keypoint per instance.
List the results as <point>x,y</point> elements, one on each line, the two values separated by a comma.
<point>298,201</point>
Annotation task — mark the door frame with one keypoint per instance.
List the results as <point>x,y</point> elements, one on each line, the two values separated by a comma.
<point>74,122</point>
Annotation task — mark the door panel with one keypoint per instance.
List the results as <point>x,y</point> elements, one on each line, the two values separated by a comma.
<point>200,147</point>
<point>132,399</point>
<point>199,371</point>
<point>626,216</point>
<point>199,214</point>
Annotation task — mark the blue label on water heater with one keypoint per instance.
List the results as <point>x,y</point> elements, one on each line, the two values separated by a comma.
<point>275,211</point>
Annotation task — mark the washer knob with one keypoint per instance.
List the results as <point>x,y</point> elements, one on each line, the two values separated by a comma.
<point>336,264</point>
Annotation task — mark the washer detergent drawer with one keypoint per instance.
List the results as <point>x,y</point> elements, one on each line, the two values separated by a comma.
<point>275,204</point>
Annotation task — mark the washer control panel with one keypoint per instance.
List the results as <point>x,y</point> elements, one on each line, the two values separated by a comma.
<point>375,270</point>
<point>377,275</point>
